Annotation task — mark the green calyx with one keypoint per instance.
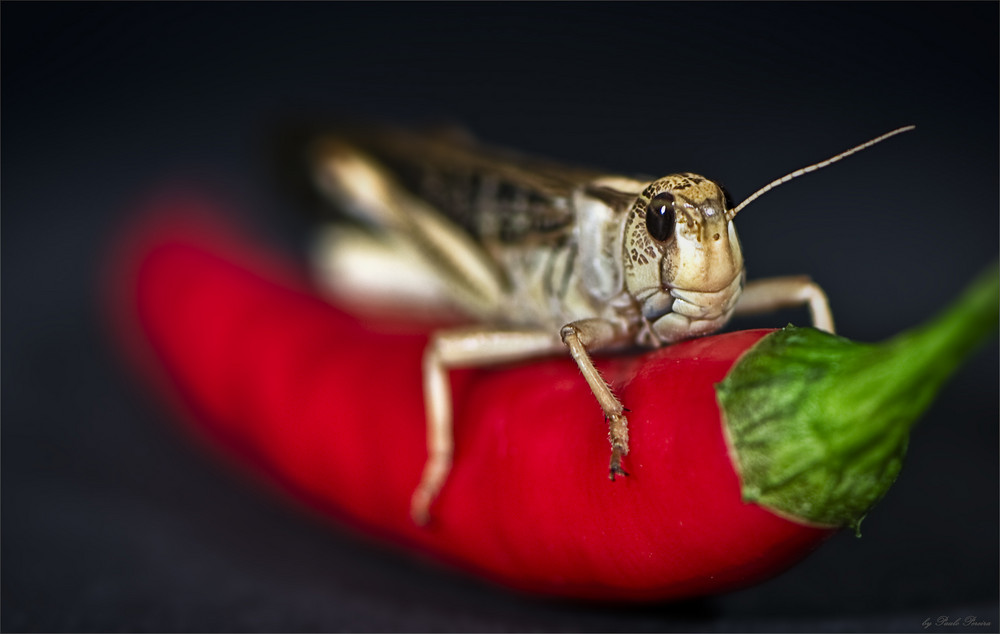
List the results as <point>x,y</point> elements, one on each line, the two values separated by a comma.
<point>818,425</point>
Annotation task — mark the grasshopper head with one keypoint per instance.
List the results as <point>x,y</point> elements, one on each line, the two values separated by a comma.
<point>680,246</point>
<point>682,260</point>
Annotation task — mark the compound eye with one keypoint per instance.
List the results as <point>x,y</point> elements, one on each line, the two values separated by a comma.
<point>660,216</point>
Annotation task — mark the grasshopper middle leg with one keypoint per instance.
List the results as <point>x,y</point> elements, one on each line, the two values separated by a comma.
<point>476,346</point>
<point>473,346</point>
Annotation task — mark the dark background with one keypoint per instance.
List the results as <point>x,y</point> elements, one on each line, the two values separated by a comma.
<point>111,520</point>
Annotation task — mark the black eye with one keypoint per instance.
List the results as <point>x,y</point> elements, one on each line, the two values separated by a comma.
<point>660,216</point>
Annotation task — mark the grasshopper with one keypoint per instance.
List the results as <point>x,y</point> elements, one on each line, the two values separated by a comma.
<point>542,256</point>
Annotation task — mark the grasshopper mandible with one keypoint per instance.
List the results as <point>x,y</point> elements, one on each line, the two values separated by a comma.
<point>545,257</point>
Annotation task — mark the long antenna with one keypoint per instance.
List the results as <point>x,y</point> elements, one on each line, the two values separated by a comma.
<point>812,168</point>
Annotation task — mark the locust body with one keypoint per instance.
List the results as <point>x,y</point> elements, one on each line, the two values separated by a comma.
<point>543,257</point>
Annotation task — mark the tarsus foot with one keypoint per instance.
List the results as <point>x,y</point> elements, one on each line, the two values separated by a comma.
<point>616,464</point>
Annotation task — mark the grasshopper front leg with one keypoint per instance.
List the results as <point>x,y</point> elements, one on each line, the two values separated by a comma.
<point>587,334</point>
<point>761,296</point>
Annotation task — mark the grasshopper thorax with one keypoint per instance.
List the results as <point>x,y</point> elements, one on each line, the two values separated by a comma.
<point>683,262</point>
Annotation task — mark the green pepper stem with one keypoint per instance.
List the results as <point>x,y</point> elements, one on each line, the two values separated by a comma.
<point>818,425</point>
<point>936,349</point>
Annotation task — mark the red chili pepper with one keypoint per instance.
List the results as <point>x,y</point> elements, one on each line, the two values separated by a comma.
<point>331,408</point>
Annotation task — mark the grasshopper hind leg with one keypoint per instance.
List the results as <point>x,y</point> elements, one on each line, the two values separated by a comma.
<point>381,271</point>
<point>366,191</point>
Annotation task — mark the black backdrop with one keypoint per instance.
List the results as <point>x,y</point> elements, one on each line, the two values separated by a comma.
<point>113,521</point>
